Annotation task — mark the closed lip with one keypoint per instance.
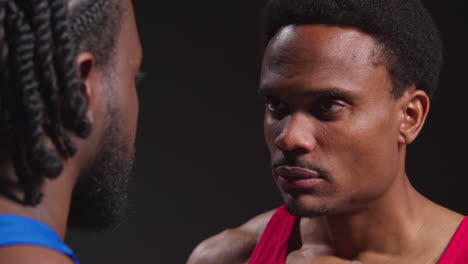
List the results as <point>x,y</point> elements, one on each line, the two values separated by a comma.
<point>296,173</point>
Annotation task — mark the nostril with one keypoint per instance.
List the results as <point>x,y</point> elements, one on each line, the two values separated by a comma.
<point>295,143</point>
<point>296,134</point>
<point>295,140</point>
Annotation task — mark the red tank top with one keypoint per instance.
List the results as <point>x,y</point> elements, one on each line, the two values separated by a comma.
<point>273,245</point>
<point>457,250</point>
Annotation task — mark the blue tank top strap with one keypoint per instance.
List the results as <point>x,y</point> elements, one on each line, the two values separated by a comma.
<point>20,230</point>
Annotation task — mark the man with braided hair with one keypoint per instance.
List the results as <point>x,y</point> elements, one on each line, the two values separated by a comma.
<point>68,114</point>
<point>346,86</point>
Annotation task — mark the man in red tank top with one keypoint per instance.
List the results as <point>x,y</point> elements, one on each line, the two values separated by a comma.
<point>347,87</point>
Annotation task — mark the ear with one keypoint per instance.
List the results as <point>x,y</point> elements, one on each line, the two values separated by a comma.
<point>415,107</point>
<point>85,62</point>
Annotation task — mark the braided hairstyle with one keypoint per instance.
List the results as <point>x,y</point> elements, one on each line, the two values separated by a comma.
<point>40,93</point>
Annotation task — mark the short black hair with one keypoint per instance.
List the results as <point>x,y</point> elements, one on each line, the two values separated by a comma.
<point>40,92</point>
<point>409,39</point>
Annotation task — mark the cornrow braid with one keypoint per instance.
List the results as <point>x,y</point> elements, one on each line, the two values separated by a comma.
<point>40,94</point>
<point>91,15</point>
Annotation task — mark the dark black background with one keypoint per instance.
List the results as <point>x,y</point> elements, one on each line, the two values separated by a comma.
<point>202,164</point>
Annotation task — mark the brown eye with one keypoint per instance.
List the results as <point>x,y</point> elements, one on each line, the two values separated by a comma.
<point>275,105</point>
<point>329,107</point>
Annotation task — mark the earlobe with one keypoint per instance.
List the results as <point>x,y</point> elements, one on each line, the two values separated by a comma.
<point>86,72</point>
<point>415,108</point>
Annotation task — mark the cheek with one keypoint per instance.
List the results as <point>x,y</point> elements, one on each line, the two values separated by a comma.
<point>132,100</point>
<point>270,127</point>
<point>133,108</point>
<point>367,150</point>
<point>128,106</point>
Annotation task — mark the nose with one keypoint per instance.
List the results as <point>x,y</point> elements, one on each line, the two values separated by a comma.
<point>296,135</point>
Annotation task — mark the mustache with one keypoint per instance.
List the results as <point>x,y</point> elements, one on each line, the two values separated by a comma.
<point>324,173</point>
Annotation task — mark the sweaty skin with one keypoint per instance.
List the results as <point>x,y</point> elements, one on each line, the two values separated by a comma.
<point>329,109</point>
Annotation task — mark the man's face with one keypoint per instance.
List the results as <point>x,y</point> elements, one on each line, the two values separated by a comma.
<point>331,123</point>
<point>100,195</point>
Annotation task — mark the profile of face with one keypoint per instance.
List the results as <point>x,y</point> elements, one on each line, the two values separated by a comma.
<point>331,123</point>
<point>100,196</point>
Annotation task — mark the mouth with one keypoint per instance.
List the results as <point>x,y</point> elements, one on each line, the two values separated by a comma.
<point>290,177</point>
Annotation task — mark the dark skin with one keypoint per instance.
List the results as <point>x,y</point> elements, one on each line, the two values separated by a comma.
<point>329,107</point>
<point>54,208</point>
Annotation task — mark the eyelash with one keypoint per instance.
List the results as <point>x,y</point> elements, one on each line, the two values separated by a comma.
<point>330,102</point>
<point>318,108</point>
<point>269,102</point>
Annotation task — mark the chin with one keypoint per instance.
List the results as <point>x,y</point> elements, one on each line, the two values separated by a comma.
<point>304,205</point>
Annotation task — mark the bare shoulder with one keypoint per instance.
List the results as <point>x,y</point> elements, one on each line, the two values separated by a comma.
<point>233,245</point>
<point>23,254</point>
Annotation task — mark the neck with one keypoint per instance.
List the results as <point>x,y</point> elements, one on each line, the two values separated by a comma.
<point>400,224</point>
<point>389,226</point>
<point>54,208</point>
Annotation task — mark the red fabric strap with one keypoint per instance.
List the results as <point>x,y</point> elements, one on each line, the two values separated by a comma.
<point>273,245</point>
<point>457,250</point>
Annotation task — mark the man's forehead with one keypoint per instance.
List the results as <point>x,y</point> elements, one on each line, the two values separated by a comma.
<point>315,43</point>
<point>321,57</point>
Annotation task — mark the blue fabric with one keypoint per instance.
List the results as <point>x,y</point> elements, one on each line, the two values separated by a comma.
<point>20,230</point>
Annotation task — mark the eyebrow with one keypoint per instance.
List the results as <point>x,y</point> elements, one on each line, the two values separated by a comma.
<point>332,92</point>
